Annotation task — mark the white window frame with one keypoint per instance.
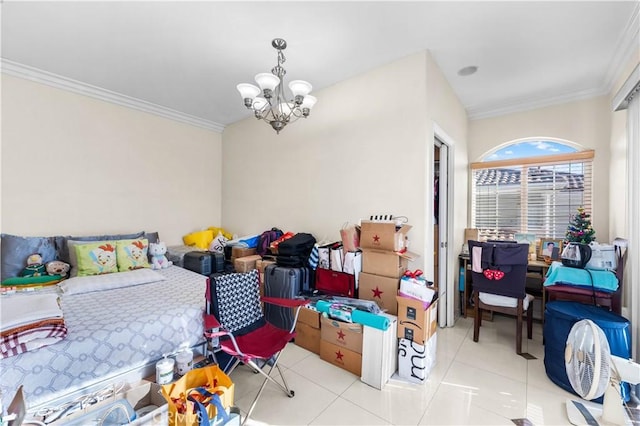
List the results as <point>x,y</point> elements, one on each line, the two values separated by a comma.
<point>520,167</point>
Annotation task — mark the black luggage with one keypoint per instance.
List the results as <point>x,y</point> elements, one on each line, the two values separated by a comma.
<point>291,261</point>
<point>218,262</point>
<point>300,244</point>
<point>204,262</point>
<point>286,283</point>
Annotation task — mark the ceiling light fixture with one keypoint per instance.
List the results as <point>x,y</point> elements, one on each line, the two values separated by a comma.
<point>463,72</point>
<point>273,107</point>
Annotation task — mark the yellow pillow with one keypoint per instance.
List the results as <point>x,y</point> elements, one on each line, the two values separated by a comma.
<point>96,258</point>
<point>200,239</point>
<point>228,235</point>
<point>132,254</point>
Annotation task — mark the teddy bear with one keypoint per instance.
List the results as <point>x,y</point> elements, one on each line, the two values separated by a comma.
<point>35,266</point>
<point>58,267</point>
<point>157,252</point>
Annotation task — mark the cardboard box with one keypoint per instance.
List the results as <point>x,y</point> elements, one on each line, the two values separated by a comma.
<point>246,263</point>
<point>261,285</point>
<point>414,322</point>
<point>342,334</point>
<point>386,263</point>
<point>263,263</point>
<point>310,317</point>
<point>239,251</point>
<point>380,289</point>
<point>379,353</point>
<point>341,357</point>
<point>471,234</point>
<point>307,337</point>
<point>417,289</point>
<point>416,361</point>
<point>383,235</point>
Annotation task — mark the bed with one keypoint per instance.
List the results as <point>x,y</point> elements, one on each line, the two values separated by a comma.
<point>113,331</point>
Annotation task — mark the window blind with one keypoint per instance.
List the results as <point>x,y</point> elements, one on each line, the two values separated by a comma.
<point>536,195</point>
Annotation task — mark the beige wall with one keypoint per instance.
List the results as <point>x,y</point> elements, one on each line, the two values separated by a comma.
<point>447,113</point>
<point>361,152</point>
<point>586,123</point>
<point>76,165</point>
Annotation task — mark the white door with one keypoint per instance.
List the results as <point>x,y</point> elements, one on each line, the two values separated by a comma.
<point>441,204</point>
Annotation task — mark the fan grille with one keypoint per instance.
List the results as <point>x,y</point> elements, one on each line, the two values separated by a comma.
<point>587,359</point>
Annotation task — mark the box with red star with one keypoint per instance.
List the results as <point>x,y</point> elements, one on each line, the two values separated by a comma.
<point>341,357</point>
<point>380,289</point>
<point>344,334</point>
<point>383,236</point>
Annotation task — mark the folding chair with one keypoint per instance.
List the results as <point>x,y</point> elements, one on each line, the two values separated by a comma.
<point>236,318</point>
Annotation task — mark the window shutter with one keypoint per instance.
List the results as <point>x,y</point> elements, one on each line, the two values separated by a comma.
<point>530,195</point>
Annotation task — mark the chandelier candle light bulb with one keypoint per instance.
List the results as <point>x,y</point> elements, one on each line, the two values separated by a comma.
<point>274,107</point>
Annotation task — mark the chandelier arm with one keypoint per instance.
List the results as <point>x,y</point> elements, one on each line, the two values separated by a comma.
<point>275,108</point>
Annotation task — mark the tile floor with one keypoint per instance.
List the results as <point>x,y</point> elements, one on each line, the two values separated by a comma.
<point>482,383</point>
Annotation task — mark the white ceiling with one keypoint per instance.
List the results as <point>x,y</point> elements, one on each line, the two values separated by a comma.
<point>189,56</point>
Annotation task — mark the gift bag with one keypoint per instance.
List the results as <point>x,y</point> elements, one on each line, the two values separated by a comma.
<point>350,235</point>
<point>352,262</point>
<point>202,391</point>
<point>218,243</point>
<point>324,255</point>
<point>337,258</point>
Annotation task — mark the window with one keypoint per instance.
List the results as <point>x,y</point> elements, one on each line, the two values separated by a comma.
<point>515,192</point>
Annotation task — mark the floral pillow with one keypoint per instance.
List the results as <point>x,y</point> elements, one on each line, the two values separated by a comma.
<point>96,258</point>
<point>132,254</point>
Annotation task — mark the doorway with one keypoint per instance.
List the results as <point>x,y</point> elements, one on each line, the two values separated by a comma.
<point>441,232</point>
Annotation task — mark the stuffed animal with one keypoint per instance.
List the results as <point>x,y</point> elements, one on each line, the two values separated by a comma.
<point>158,258</point>
<point>35,267</point>
<point>58,267</point>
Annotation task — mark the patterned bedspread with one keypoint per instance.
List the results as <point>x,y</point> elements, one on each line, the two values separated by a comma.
<point>110,333</point>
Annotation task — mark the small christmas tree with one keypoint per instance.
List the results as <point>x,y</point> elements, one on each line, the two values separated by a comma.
<point>580,229</point>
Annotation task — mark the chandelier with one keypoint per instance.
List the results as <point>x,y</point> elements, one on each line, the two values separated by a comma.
<point>273,107</point>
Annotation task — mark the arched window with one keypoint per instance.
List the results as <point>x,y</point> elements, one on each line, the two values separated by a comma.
<point>530,186</point>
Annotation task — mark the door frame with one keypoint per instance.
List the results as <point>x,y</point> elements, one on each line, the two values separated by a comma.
<point>446,308</point>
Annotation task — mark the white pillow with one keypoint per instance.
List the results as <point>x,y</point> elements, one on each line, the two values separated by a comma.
<point>87,284</point>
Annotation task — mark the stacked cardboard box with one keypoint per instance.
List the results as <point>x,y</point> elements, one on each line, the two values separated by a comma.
<point>239,251</point>
<point>246,263</point>
<point>341,344</point>
<point>384,260</point>
<point>417,326</point>
<point>308,329</point>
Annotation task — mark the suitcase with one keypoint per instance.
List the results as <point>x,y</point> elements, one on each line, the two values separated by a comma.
<point>204,262</point>
<point>336,283</point>
<point>286,283</point>
<point>218,262</point>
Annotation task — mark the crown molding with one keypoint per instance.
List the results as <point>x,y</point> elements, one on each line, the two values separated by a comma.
<point>626,47</point>
<point>26,72</point>
<point>515,105</point>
